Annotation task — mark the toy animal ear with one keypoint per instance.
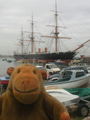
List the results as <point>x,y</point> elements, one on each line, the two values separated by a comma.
<point>10,70</point>
<point>44,74</point>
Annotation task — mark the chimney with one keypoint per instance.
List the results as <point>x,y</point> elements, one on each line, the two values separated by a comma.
<point>45,49</point>
<point>39,50</point>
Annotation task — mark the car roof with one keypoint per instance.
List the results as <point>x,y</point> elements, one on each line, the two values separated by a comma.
<point>39,66</point>
<point>50,64</point>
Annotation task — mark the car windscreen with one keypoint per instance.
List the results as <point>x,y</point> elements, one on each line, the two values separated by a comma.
<point>53,66</point>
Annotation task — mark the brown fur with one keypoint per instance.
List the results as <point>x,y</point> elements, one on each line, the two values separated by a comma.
<point>44,74</point>
<point>26,98</point>
<point>10,70</point>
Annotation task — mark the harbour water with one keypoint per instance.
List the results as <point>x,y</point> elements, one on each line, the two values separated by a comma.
<point>4,65</point>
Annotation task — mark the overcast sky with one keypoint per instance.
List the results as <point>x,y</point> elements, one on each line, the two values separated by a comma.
<point>75,17</point>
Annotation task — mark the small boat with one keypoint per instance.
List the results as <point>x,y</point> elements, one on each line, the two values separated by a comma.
<point>57,75</point>
<point>72,102</point>
<point>4,59</point>
<point>25,61</point>
<point>71,79</point>
<point>81,92</point>
<point>4,80</point>
<point>61,94</point>
<point>9,61</point>
<point>22,61</point>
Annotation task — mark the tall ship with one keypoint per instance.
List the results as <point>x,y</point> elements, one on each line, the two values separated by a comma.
<point>45,56</point>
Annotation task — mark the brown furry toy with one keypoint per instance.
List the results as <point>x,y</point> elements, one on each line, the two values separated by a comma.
<point>44,74</point>
<point>10,70</point>
<point>26,98</point>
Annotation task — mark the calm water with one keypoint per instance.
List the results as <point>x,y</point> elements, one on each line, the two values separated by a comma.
<point>4,65</point>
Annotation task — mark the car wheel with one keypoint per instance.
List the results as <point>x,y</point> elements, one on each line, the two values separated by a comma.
<point>83,110</point>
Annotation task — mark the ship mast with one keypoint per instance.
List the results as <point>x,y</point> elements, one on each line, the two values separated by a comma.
<point>32,36</point>
<point>22,40</point>
<point>56,33</point>
<point>56,30</point>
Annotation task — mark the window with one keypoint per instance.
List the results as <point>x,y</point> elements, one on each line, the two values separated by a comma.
<point>48,67</point>
<point>66,75</point>
<point>53,66</point>
<point>79,74</point>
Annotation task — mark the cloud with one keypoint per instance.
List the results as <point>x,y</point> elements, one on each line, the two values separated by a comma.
<point>15,13</point>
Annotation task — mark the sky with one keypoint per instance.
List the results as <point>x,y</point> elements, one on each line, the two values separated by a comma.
<point>17,14</point>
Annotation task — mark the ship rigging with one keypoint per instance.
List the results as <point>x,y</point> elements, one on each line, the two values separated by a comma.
<point>56,33</point>
<point>47,56</point>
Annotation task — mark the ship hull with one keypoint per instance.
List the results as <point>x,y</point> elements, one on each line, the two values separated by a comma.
<point>47,57</point>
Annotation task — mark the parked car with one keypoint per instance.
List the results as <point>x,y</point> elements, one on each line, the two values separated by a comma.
<point>88,69</point>
<point>54,77</point>
<point>52,68</point>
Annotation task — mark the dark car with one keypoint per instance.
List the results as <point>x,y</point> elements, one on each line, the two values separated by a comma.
<point>53,77</point>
